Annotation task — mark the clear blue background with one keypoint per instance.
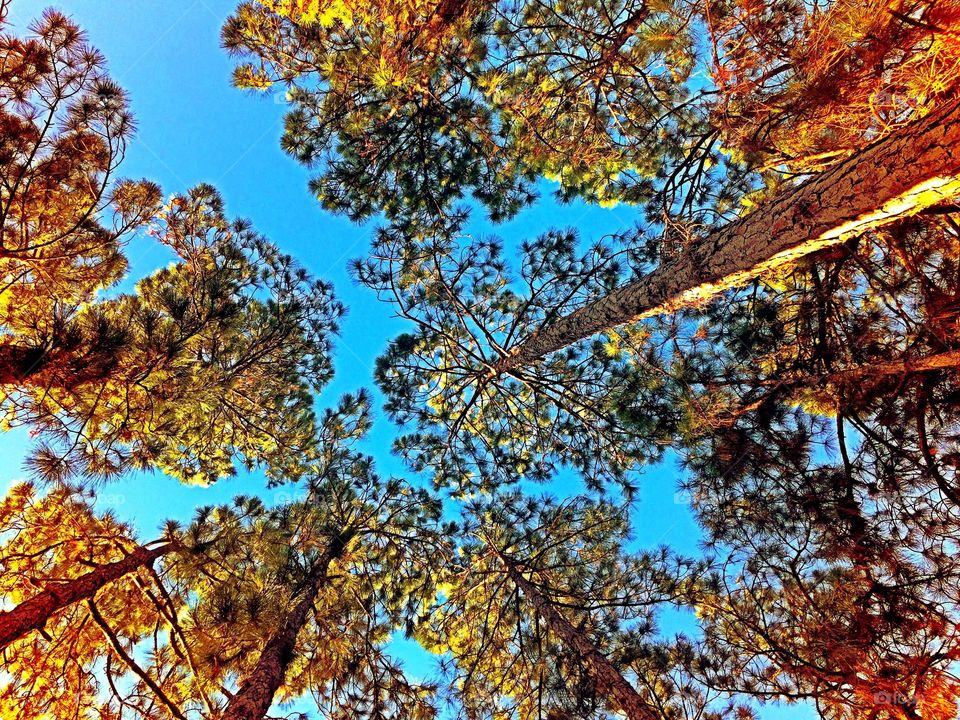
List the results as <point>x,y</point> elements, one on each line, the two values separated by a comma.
<point>194,127</point>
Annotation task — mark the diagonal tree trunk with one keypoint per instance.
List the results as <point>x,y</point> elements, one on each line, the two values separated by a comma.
<point>906,366</point>
<point>610,682</point>
<point>255,696</point>
<point>625,31</point>
<point>858,375</point>
<point>871,371</point>
<point>32,614</point>
<point>915,168</point>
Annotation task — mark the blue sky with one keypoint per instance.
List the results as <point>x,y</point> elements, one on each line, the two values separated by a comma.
<point>194,127</point>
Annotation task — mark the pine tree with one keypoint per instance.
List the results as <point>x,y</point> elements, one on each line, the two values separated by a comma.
<point>57,536</point>
<point>359,551</point>
<point>903,174</point>
<point>209,360</point>
<point>839,579</point>
<point>541,80</point>
<point>830,594</point>
<point>482,412</point>
<point>268,604</point>
<point>800,87</point>
<point>64,216</point>
<point>477,429</point>
<point>408,105</point>
<point>78,580</point>
<point>546,616</point>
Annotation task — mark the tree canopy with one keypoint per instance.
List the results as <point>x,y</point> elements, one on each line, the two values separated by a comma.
<point>210,360</point>
<point>777,335</point>
<point>475,428</point>
<point>407,106</point>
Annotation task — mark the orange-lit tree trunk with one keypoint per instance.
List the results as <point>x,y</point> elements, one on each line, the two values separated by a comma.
<point>930,363</point>
<point>624,32</point>
<point>609,681</point>
<point>257,690</point>
<point>32,614</point>
<point>910,170</point>
<point>859,374</point>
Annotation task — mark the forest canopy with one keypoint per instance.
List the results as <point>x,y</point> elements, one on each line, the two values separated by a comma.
<point>467,528</point>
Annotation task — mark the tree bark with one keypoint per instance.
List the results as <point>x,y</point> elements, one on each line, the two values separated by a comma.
<point>862,374</point>
<point>255,696</point>
<point>908,366</point>
<point>609,681</point>
<point>900,175</point>
<point>624,33</point>
<point>32,614</point>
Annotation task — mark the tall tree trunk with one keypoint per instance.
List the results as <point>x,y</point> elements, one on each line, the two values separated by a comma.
<point>32,614</point>
<point>257,690</point>
<point>902,174</point>
<point>857,376</point>
<point>610,683</point>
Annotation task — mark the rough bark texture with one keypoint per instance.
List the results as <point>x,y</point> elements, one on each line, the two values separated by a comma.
<point>610,683</point>
<point>256,693</point>
<point>34,613</point>
<point>900,175</point>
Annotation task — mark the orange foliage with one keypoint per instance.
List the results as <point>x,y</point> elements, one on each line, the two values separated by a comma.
<point>64,126</point>
<point>805,88</point>
<point>49,540</point>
